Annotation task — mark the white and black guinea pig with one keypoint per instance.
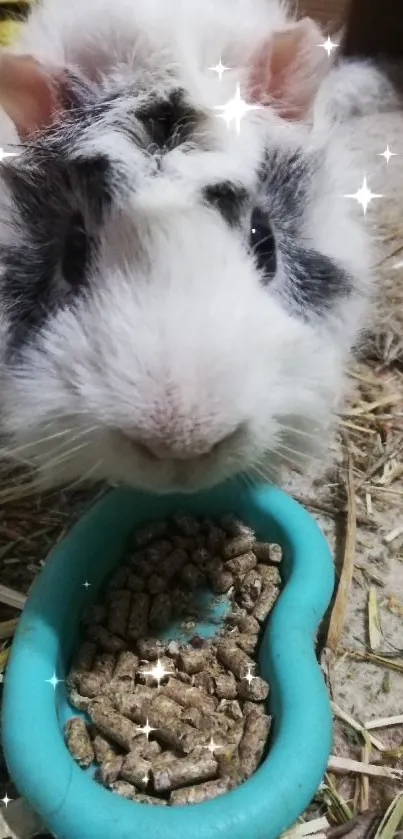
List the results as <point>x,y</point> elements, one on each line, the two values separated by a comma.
<point>178,293</point>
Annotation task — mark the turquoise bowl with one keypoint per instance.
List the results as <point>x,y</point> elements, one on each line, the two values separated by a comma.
<point>70,802</point>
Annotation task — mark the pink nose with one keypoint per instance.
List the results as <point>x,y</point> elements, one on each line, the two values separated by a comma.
<point>175,449</point>
<point>166,451</point>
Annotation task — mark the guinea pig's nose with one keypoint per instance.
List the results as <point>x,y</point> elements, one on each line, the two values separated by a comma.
<point>165,451</point>
<point>174,449</point>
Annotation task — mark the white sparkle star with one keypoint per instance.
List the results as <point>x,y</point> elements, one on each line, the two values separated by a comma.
<point>145,779</point>
<point>387,154</point>
<point>6,800</point>
<point>328,46</point>
<point>212,746</point>
<point>54,681</point>
<point>219,69</point>
<point>364,196</point>
<point>236,109</point>
<point>146,729</point>
<point>158,672</point>
<point>5,154</point>
<point>249,677</point>
<point>86,585</point>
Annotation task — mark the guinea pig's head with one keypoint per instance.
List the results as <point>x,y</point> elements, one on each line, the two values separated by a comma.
<point>178,293</point>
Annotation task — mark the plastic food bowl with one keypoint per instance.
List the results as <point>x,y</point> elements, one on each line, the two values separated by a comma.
<point>70,802</point>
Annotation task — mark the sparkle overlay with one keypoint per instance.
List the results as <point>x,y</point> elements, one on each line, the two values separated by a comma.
<point>219,69</point>
<point>387,154</point>
<point>235,109</point>
<point>249,676</point>
<point>6,800</point>
<point>328,46</point>
<point>158,672</point>
<point>364,196</point>
<point>54,681</point>
<point>86,585</point>
<point>146,729</point>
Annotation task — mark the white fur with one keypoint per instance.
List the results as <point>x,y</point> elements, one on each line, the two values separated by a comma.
<point>188,349</point>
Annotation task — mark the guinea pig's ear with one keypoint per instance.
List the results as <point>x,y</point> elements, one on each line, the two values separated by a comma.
<point>30,94</point>
<point>287,70</point>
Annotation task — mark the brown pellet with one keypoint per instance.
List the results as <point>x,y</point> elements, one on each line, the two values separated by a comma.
<point>200,792</point>
<point>78,741</point>
<point>149,649</point>
<point>126,668</point>
<point>146,534</point>
<point>252,584</point>
<point>265,603</point>
<point>189,696</point>
<point>158,550</point>
<point>191,576</point>
<point>134,705</point>
<point>124,789</point>
<point>156,584</point>
<point>187,524</point>
<point>204,681</point>
<point>135,583</point>
<point>81,703</point>
<point>118,612</point>
<point>238,545</point>
<point>234,527</point>
<point>105,639</point>
<point>248,643</point>
<point>240,565</point>
<point>179,773</point>
<point>193,661</point>
<point>252,745</point>
<point>235,659</point>
<point>109,770</point>
<point>256,690</point>
<point>89,684</point>
<point>103,749</point>
<point>160,610</point>
<point>136,770</point>
<point>225,686</point>
<point>172,563</point>
<point>95,614</point>
<point>115,726</point>
<point>166,706</point>
<point>119,578</point>
<point>104,665</point>
<point>138,618</point>
<point>263,551</point>
<point>141,798</point>
<point>215,539</point>
<point>83,661</point>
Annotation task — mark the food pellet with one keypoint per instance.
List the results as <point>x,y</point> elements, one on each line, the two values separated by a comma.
<point>78,741</point>
<point>173,721</point>
<point>179,773</point>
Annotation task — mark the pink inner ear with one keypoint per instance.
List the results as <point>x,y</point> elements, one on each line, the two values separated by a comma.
<point>289,68</point>
<point>29,93</point>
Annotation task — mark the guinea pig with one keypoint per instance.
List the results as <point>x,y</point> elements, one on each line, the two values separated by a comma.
<point>180,287</point>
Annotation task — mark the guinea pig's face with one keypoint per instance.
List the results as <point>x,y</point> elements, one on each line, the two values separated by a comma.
<point>178,297</point>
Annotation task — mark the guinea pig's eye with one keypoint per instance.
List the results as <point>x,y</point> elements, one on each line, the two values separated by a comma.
<point>75,251</point>
<point>263,243</point>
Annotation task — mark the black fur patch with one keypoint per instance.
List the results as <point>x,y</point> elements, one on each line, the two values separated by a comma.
<point>169,122</point>
<point>48,193</point>
<point>228,199</point>
<point>314,281</point>
<point>284,183</point>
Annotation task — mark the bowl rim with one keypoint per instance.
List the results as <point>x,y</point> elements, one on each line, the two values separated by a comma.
<point>74,806</point>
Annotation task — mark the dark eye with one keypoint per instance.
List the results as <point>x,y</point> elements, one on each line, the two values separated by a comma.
<point>75,252</point>
<point>263,243</point>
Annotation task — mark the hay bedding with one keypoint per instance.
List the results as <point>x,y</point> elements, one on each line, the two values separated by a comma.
<point>358,501</point>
